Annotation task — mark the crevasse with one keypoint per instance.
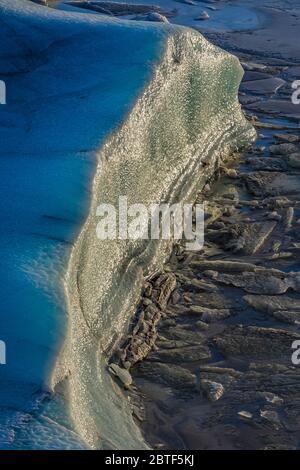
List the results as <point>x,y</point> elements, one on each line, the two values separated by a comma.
<point>135,108</point>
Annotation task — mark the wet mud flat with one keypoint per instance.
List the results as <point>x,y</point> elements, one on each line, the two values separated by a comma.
<point>207,363</point>
<point>210,350</point>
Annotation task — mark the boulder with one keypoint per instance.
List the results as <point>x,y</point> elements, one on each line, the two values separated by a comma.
<point>122,374</point>
<point>212,390</point>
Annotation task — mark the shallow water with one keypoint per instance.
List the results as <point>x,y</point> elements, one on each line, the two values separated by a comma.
<point>224,18</point>
<point>232,18</point>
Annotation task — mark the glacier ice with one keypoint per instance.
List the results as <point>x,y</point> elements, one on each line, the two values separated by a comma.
<point>133,108</point>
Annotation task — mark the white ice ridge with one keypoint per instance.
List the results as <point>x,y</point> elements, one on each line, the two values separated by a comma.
<point>139,106</point>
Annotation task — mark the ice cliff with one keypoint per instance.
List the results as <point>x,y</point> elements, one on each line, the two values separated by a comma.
<point>122,107</point>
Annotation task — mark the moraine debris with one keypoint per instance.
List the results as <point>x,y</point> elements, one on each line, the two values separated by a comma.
<point>272,398</point>
<point>229,313</point>
<point>271,416</point>
<point>203,16</point>
<point>122,374</point>
<point>143,336</point>
<point>245,415</point>
<point>212,390</point>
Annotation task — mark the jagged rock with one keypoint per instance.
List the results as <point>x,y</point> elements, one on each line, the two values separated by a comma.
<point>146,301</point>
<point>182,355</point>
<point>201,325</point>
<point>262,281</point>
<point>229,211</point>
<point>283,149</point>
<point>139,348</point>
<point>248,238</point>
<point>270,304</point>
<point>160,280</point>
<point>272,398</point>
<point>270,416</point>
<point>211,316</point>
<point>280,255</point>
<point>253,203</point>
<point>156,317</point>
<point>199,285</point>
<point>227,266</point>
<point>274,216</point>
<point>253,66</point>
<point>203,16</point>
<point>294,160</point>
<point>217,225</point>
<point>269,125</point>
<point>119,8</point>
<point>215,300</point>
<point>258,342</point>
<point>148,289</point>
<point>250,277</point>
<point>276,245</point>
<point>231,173</point>
<point>176,297</point>
<point>245,414</point>
<point>263,86</point>
<point>250,75</point>
<point>276,202</point>
<point>164,343</point>
<point>267,164</point>
<point>166,289</point>
<point>121,354</point>
<point>213,390</point>
<point>289,217</point>
<point>291,317</point>
<point>138,413</point>
<point>264,183</point>
<point>171,376</point>
<point>179,333</point>
<point>256,283</point>
<point>169,322</point>
<point>292,139</point>
<point>227,380</point>
<point>282,108</point>
<point>154,16</point>
<point>247,99</point>
<point>122,374</point>
<point>221,371</point>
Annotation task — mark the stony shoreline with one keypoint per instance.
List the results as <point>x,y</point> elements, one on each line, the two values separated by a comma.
<point>209,351</point>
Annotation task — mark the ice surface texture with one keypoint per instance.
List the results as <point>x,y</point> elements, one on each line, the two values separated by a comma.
<point>134,107</point>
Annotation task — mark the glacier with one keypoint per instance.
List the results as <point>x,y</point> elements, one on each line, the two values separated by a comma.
<point>96,107</point>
